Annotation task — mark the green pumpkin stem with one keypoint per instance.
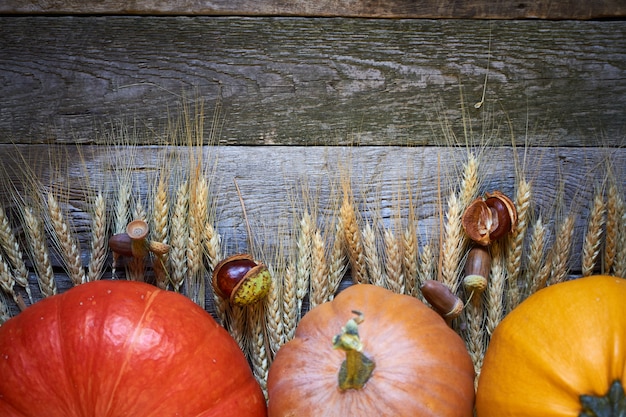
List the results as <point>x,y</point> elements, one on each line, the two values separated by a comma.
<point>356,370</point>
<point>613,404</point>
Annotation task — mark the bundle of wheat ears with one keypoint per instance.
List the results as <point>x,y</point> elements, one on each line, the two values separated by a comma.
<point>326,243</point>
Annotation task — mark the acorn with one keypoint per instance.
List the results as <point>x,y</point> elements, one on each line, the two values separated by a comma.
<point>490,218</point>
<point>477,268</point>
<point>241,280</point>
<point>442,299</point>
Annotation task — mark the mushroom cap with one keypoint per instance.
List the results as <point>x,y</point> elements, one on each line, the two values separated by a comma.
<point>137,229</point>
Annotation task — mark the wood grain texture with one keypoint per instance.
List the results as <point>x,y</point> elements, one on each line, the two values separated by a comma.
<point>481,9</point>
<point>272,178</point>
<point>294,81</point>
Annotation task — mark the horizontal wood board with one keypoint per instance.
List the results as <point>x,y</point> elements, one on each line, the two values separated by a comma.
<point>478,9</point>
<point>296,81</point>
<point>272,180</point>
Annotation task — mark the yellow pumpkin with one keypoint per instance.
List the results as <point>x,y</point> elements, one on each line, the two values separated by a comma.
<point>558,353</point>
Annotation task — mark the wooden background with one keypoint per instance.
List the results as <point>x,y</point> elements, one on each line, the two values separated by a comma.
<point>297,81</point>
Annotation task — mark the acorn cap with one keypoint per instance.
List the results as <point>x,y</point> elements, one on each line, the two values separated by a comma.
<point>478,221</point>
<point>475,283</point>
<point>508,203</point>
<point>490,218</point>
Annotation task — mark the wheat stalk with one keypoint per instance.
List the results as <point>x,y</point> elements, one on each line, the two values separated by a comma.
<point>213,250</point>
<point>475,339</point>
<point>121,215</point>
<point>372,260</point>
<point>495,288</point>
<point>211,241</point>
<point>561,250</point>
<point>612,226</point>
<point>212,245</point>
<point>619,264</point>
<point>6,279</point>
<point>258,339</point>
<point>12,250</point>
<point>273,309</point>
<point>98,239</point>
<point>198,217</point>
<point>160,229</point>
<point>427,269</point>
<point>290,306</point>
<point>535,258</point>
<point>354,241</point>
<point>453,245</point>
<point>410,256</point>
<point>410,247</point>
<point>593,237</point>
<point>470,181</point>
<point>4,311</point>
<point>237,325</point>
<point>36,239</point>
<point>122,204</point>
<point>337,264</point>
<point>454,242</point>
<point>516,243</point>
<point>393,262</point>
<point>304,258</point>
<point>319,271</point>
<point>179,236</point>
<point>67,245</point>
<point>160,210</point>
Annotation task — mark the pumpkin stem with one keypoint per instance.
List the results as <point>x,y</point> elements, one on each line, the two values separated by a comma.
<point>613,404</point>
<point>356,370</point>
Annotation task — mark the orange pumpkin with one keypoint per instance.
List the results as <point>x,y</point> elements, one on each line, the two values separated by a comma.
<point>420,366</point>
<point>121,348</point>
<point>558,352</point>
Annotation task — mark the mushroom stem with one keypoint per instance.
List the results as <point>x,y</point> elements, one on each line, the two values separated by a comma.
<point>356,370</point>
<point>139,248</point>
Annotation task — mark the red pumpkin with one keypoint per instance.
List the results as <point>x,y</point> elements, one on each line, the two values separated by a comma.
<point>121,348</point>
<point>422,367</point>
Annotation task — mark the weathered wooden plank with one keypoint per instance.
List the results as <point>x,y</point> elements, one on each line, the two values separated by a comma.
<point>482,9</point>
<point>314,81</point>
<point>271,180</point>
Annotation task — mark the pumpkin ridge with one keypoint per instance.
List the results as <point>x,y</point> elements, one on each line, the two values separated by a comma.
<point>63,349</point>
<point>65,302</point>
<point>130,341</point>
